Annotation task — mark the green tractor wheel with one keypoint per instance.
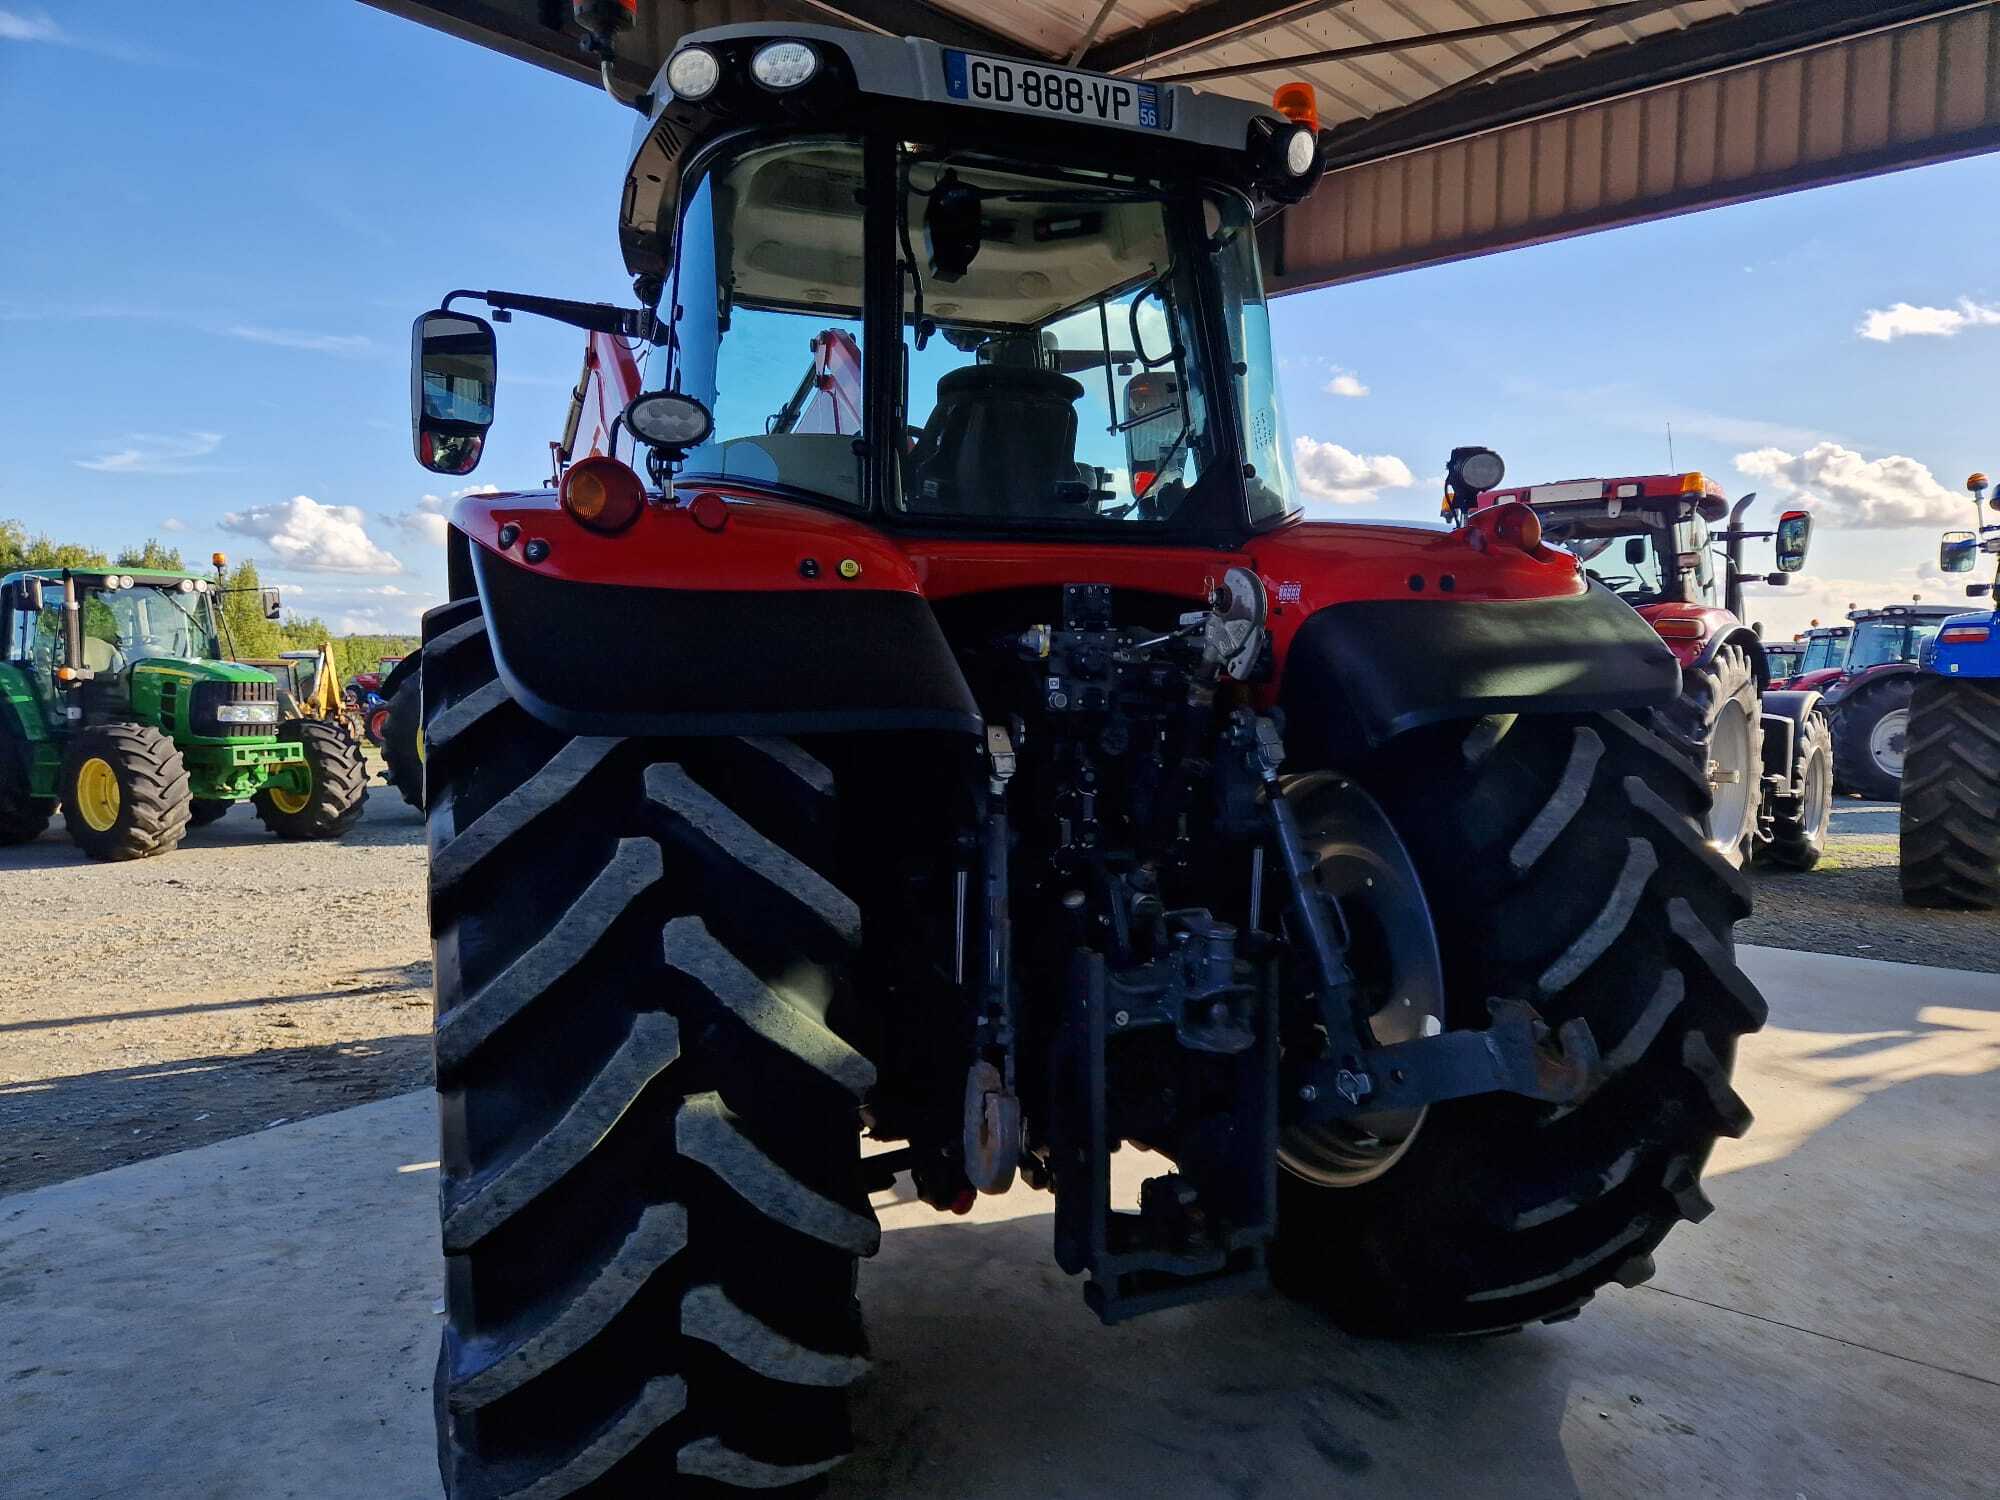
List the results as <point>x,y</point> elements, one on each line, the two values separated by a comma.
<point>339,786</point>
<point>125,792</point>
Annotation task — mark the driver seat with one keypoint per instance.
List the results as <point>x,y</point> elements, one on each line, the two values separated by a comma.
<point>999,440</point>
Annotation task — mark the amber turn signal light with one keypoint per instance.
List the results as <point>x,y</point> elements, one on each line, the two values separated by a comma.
<point>602,493</point>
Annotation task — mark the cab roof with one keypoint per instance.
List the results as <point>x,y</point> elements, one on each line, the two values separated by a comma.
<point>1906,612</point>
<point>1635,490</point>
<point>143,575</point>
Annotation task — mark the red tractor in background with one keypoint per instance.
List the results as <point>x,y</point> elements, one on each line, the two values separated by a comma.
<point>1820,662</point>
<point>1648,538</point>
<point>1011,776</point>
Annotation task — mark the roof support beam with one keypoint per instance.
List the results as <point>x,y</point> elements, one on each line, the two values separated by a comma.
<point>1595,16</point>
<point>1190,31</point>
<point>915,18</point>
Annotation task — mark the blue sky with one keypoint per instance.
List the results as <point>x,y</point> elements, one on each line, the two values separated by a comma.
<point>222,217</point>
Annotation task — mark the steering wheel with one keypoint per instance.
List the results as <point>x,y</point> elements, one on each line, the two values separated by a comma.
<point>1616,582</point>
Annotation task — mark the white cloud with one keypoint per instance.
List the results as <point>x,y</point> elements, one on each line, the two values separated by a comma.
<point>312,343</point>
<point>322,538</point>
<point>1333,473</point>
<point>155,453</point>
<point>429,520</point>
<point>173,523</point>
<point>1844,489</point>
<point>17,27</point>
<point>1345,384</point>
<point>426,522</point>
<point>1886,324</point>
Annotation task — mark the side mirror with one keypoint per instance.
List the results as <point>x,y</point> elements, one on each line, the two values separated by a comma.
<point>1635,551</point>
<point>1778,580</point>
<point>454,363</point>
<point>1978,590</point>
<point>269,599</point>
<point>669,422</point>
<point>1794,537</point>
<point>1958,551</point>
<point>31,594</point>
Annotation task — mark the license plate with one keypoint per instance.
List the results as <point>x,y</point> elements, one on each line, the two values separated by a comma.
<point>1031,89</point>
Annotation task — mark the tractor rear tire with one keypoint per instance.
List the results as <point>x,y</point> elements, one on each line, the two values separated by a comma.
<point>1799,824</point>
<point>1951,796</point>
<point>339,784</point>
<point>22,817</point>
<point>1720,722</point>
<point>125,792</point>
<point>1564,863</point>
<point>205,810</point>
<point>403,742</point>
<point>651,1199</point>
<point>1867,733</point>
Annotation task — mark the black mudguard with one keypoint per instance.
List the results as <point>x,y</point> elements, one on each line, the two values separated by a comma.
<point>1360,674</point>
<point>1784,716</point>
<point>606,659</point>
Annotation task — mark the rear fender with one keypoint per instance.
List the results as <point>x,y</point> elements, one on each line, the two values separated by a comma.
<point>1743,636</point>
<point>1839,692</point>
<point>674,629</point>
<point>1359,674</point>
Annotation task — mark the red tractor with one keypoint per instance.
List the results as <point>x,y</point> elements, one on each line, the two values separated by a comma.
<point>1869,698</point>
<point>1013,775</point>
<point>1768,755</point>
<point>1820,663</point>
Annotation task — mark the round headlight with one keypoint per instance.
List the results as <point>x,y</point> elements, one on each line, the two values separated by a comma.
<point>784,65</point>
<point>1299,151</point>
<point>1482,470</point>
<point>693,73</point>
<point>187,585</point>
<point>126,581</point>
<point>669,419</point>
<point>201,585</point>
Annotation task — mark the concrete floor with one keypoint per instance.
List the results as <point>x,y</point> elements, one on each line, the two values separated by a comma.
<point>257,1319</point>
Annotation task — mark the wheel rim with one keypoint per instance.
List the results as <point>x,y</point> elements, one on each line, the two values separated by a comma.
<point>288,801</point>
<point>378,724</point>
<point>1362,864</point>
<point>98,797</point>
<point>1730,778</point>
<point>1818,799</point>
<point>1885,741</point>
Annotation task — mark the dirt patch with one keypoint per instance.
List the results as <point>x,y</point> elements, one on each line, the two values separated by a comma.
<point>1853,904</point>
<point>236,983</point>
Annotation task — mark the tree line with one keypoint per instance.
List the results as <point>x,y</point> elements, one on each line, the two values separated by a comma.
<point>247,634</point>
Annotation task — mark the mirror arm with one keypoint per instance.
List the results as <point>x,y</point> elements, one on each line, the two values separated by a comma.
<point>593,317</point>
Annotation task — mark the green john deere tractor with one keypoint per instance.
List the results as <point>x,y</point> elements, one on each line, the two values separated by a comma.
<point>116,704</point>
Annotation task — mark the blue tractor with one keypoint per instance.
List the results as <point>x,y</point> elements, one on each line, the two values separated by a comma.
<point>1951,769</point>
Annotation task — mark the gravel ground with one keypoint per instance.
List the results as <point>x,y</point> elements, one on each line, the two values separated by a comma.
<point>241,982</point>
<point>1853,905</point>
<point>235,983</point>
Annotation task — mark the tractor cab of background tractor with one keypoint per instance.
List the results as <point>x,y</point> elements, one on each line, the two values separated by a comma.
<point>1652,539</point>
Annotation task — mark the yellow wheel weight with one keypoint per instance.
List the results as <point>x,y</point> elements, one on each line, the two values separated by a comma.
<point>98,797</point>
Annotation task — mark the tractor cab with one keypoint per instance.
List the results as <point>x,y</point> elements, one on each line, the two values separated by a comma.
<point>137,636</point>
<point>1783,658</point>
<point>1653,539</point>
<point>1023,298</point>
<point>1898,633</point>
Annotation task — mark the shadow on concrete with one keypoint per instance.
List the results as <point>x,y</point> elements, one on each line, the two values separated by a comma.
<point>52,1129</point>
<point>408,977</point>
<point>992,1379</point>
